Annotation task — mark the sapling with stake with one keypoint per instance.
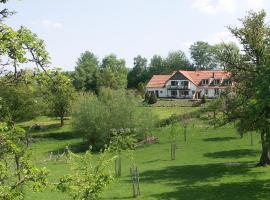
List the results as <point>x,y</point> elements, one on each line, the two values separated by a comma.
<point>121,141</point>
<point>173,138</point>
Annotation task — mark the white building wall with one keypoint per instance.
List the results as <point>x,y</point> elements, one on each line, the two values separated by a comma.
<point>162,92</point>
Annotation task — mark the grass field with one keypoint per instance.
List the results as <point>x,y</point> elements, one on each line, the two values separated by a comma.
<point>213,164</point>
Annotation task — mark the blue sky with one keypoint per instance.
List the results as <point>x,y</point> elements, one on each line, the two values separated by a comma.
<point>127,27</point>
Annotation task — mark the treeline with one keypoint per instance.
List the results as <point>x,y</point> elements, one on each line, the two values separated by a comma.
<point>91,74</point>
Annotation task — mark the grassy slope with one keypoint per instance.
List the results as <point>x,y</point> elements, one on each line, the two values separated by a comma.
<point>212,164</point>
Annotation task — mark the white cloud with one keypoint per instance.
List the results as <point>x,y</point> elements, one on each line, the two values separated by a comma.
<point>215,6</point>
<point>51,24</point>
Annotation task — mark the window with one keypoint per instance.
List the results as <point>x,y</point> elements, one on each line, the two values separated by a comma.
<point>160,92</point>
<point>174,83</point>
<point>184,83</point>
<point>216,91</point>
<point>184,93</point>
<point>174,92</point>
<point>216,81</point>
<point>227,82</point>
<point>205,82</point>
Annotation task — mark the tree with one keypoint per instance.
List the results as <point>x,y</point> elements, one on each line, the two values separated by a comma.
<point>86,72</point>
<point>113,73</point>
<point>157,66</point>
<point>138,73</point>
<point>95,117</point>
<point>17,47</point>
<point>202,54</point>
<point>90,176</point>
<point>59,92</point>
<point>247,103</point>
<point>220,49</point>
<point>177,60</point>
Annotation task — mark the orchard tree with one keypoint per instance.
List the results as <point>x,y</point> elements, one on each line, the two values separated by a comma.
<point>86,72</point>
<point>89,176</point>
<point>59,92</point>
<point>113,73</point>
<point>248,102</point>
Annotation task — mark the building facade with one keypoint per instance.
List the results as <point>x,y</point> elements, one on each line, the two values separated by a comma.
<point>189,84</point>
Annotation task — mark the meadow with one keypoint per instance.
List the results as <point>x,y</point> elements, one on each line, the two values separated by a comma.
<point>212,164</point>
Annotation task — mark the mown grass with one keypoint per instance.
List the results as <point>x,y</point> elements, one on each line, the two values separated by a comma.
<point>212,164</point>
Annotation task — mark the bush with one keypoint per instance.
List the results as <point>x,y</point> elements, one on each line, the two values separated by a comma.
<point>203,100</point>
<point>96,117</point>
<point>152,98</point>
<point>146,97</point>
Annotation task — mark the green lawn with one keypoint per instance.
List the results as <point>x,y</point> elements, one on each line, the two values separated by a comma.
<point>213,164</point>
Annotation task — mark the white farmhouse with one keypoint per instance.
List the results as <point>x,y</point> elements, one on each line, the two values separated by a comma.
<point>189,84</point>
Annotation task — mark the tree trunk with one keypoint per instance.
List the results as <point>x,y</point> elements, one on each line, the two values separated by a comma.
<point>17,162</point>
<point>265,156</point>
<point>62,120</point>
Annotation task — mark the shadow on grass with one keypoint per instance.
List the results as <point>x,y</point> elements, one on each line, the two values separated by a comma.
<point>219,139</point>
<point>61,135</point>
<point>254,189</point>
<point>191,174</point>
<point>194,182</point>
<point>79,147</point>
<point>238,153</point>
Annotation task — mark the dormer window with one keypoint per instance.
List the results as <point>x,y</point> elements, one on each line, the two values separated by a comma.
<point>216,81</point>
<point>205,82</point>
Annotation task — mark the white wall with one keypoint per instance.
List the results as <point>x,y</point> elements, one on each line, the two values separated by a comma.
<point>162,92</point>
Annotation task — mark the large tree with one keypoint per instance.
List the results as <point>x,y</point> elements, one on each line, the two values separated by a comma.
<point>203,56</point>
<point>177,60</point>
<point>86,72</point>
<point>156,66</point>
<point>113,73</point>
<point>138,73</point>
<point>248,104</point>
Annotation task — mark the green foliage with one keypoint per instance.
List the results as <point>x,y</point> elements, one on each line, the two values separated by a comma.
<point>202,55</point>
<point>113,73</point>
<point>59,92</point>
<point>177,60</point>
<point>248,102</point>
<point>13,179</point>
<point>86,72</point>
<point>90,176</point>
<point>152,98</point>
<point>138,74</point>
<point>20,102</point>
<point>146,97</point>
<point>95,117</point>
<point>203,100</point>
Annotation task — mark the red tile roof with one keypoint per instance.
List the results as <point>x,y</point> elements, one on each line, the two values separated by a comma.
<point>196,77</point>
<point>158,81</point>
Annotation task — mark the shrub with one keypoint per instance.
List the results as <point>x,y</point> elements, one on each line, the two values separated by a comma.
<point>96,117</point>
<point>203,100</point>
<point>146,97</point>
<point>152,98</point>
